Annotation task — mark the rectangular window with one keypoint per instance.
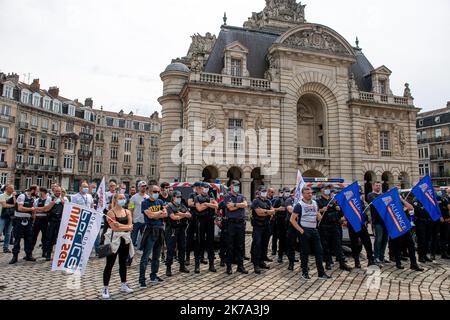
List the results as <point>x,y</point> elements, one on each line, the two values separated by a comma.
<point>4,178</point>
<point>56,107</point>
<point>51,161</point>
<point>45,124</point>
<point>31,159</point>
<point>36,101</point>
<point>46,104</point>
<point>69,127</point>
<point>127,158</point>
<point>53,144</point>
<point>383,87</point>
<point>99,152</point>
<point>8,92</point>
<point>2,155</point>
<point>68,144</point>
<point>28,182</point>
<point>115,137</point>
<point>424,169</point>
<point>127,145</point>
<point>43,142</point>
<point>153,141</point>
<point>140,155</point>
<point>236,68</point>
<point>114,152</point>
<point>235,134</point>
<point>440,152</point>
<point>55,126</point>
<point>384,141</point>
<point>127,171</point>
<point>438,133</point>
<point>33,141</point>
<point>113,168</point>
<point>19,158</point>
<point>152,171</point>
<point>40,181</point>
<point>20,138</point>
<point>68,162</point>
<point>141,140</point>
<point>41,160</point>
<point>49,182</point>
<point>24,117</point>
<point>4,132</point>
<point>34,121</point>
<point>83,166</point>
<point>71,110</point>
<point>98,167</point>
<point>139,170</point>
<point>5,110</point>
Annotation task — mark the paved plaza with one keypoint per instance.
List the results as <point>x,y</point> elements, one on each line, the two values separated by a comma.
<point>27,280</point>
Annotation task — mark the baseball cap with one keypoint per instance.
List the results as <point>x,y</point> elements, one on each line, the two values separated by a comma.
<point>205,185</point>
<point>142,184</point>
<point>197,184</point>
<point>262,188</point>
<point>235,183</point>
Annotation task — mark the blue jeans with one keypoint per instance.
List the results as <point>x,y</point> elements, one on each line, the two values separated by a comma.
<point>97,242</point>
<point>138,227</point>
<point>381,241</point>
<point>152,245</point>
<point>6,225</point>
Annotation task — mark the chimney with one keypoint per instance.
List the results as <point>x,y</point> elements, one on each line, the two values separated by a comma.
<point>14,77</point>
<point>54,92</point>
<point>35,85</point>
<point>89,103</point>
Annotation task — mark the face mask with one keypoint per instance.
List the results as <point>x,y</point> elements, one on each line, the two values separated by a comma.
<point>327,192</point>
<point>236,189</point>
<point>155,196</point>
<point>122,202</point>
<point>58,201</point>
<point>264,194</point>
<point>85,190</point>
<point>439,193</point>
<point>287,195</point>
<point>205,190</point>
<point>94,190</point>
<point>178,201</point>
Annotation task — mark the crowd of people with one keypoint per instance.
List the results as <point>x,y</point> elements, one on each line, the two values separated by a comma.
<point>166,226</point>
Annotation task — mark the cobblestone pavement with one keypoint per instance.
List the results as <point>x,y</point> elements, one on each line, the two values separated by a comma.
<point>27,280</point>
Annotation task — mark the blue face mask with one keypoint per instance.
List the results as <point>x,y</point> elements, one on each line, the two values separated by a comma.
<point>85,190</point>
<point>327,192</point>
<point>178,201</point>
<point>94,190</point>
<point>155,196</point>
<point>439,193</point>
<point>236,189</point>
<point>122,202</point>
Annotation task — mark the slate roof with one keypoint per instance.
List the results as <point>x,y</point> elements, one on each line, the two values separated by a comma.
<point>259,42</point>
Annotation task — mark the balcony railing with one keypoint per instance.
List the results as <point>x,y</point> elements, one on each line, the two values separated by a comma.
<point>5,140</point>
<point>232,81</point>
<point>33,167</point>
<point>84,154</point>
<point>86,136</point>
<point>434,140</point>
<point>386,153</point>
<point>7,117</point>
<point>23,125</point>
<point>313,153</point>
<point>3,165</point>
<point>442,157</point>
<point>20,166</point>
<point>441,175</point>
<point>381,98</point>
<point>21,145</point>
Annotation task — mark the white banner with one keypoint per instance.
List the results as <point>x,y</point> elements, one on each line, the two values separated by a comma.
<point>79,229</point>
<point>101,193</point>
<point>298,191</point>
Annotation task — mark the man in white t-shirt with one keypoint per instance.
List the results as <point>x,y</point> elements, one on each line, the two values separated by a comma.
<point>135,205</point>
<point>83,198</point>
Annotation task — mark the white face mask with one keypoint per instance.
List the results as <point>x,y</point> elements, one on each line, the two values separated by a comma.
<point>264,194</point>
<point>205,190</point>
<point>327,192</point>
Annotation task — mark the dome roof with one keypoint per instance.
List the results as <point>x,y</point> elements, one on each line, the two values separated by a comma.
<point>177,66</point>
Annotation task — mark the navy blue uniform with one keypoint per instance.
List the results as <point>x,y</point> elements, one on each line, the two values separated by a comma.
<point>261,231</point>
<point>235,230</point>
<point>279,227</point>
<point>176,235</point>
<point>204,230</point>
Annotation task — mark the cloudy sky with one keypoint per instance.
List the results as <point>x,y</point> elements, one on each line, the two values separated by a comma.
<point>114,50</point>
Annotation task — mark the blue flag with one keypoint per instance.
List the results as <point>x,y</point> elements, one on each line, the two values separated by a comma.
<point>349,200</point>
<point>390,208</point>
<point>424,192</point>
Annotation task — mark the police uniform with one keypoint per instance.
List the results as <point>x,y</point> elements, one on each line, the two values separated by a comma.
<point>330,235</point>
<point>191,228</point>
<point>23,226</point>
<point>223,220</point>
<point>176,237</point>
<point>235,231</point>
<point>358,238</point>
<point>40,224</point>
<point>423,231</point>
<point>261,232</point>
<point>279,229</point>
<point>54,222</point>
<point>205,232</point>
<point>443,226</point>
<point>292,235</point>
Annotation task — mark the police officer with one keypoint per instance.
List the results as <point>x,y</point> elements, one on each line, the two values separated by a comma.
<point>329,229</point>
<point>206,210</point>
<point>405,240</point>
<point>43,205</point>
<point>423,231</point>
<point>304,219</point>
<point>262,212</point>
<point>292,235</point>
<point>443,224</point>
<point>191,229</point>
<point>23,227</point>
<point>54,222</point>
<point>381,233</point>
<point>178,215</point>
<point>222,222</point>
<point>271,196</point>
<point>234,211</point>
<point>279,230</point>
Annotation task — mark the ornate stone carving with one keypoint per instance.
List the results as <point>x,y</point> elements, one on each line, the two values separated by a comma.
<point>369,142</point>
<point>407,92</point>
<point>352,83</point>
<point>402,141</point>
<point>273,71</point>
<point>316,39</point>
<point>212,122</point>
<point>259,125</point>
<point>199,51</point>
<point>196,65</point>
<point>277,13</point>
<point>304,113</point>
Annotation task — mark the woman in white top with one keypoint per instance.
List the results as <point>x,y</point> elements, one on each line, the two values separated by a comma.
<point>119,236</point>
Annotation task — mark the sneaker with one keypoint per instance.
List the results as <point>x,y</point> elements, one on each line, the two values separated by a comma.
<point>125,289</point>
<point>324,277</point>
<point>142,285</point>
<point>105,293</point>
<point>306,276</point>
<point>156,280</point>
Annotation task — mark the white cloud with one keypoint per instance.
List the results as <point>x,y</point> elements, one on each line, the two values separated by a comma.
<point>114,50</point>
